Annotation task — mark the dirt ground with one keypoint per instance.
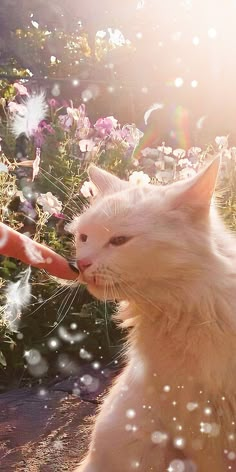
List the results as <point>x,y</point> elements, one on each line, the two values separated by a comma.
<point>42,430</point>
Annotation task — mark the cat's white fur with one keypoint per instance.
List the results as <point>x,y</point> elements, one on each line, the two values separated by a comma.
<point>176,281</point>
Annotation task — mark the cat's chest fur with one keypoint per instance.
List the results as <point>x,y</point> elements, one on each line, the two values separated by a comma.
<point>178,378</point>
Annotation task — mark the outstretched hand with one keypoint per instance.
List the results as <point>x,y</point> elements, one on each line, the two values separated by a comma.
<point>19,246</point>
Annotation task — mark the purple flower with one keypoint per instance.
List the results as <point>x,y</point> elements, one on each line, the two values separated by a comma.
<point>65,121</point>
<point>39,138</point>
<point>131,135</point>
<point>39,134</point>
<point>27,208</point>
<point>104,126</point>
<point>46,126</point>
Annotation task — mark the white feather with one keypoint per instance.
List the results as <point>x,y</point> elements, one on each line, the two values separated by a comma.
<point>18,295</point>
<point>155,106</point>
<point>33,111</point>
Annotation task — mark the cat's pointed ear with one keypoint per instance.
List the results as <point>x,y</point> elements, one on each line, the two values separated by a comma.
<point>198,191</point>
<point>105,181</point>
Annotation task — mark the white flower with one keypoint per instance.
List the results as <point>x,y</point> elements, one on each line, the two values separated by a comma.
<point>166,149</point>
<point>184,162</point>
<point>86,145</point>
<point>50,203</point>
<point>101,34</point>
<point>222,141</point>
<point>180,153</point>
<point>3,168</point>
<point>194,151</point>
<point>139,178</point>
<point>116,37</point>
<point>88,189</point>
<point>151,152</point>
<point>187,173</point>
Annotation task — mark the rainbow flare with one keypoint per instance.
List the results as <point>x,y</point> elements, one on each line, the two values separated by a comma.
<point>181,127</point>
<point>150,136</point>
<point>180,131</point>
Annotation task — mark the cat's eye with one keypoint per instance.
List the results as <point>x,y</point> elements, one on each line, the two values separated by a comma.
<point>119,240</point>
<point>83,237</point>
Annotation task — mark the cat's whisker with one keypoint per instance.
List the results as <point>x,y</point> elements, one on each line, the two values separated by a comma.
<point>64,303</point>
<point>71,294</point>
<point>106,315</point>
<point>66,191</point>
<point>76,292</point>
<point>56,293</point>
<point>69,196</point>
<point>139,294</point>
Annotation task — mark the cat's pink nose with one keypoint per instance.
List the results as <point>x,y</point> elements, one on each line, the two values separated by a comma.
<point>84,264</point>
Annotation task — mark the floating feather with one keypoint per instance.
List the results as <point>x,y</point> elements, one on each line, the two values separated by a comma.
<point>18,295</point>
<point>155,106</point>
<point>27,119</point>
<point>201,121</point>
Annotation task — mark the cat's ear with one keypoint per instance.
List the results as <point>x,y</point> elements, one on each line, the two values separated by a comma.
<point>197,192</point>
<point>105,181</point>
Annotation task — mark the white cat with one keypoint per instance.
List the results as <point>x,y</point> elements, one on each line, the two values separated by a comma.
<point>165,254</point>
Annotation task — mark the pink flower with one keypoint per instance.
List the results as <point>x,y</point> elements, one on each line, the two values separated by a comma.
<point>104,126</point>
<point>21,89</point>
<point>53,103</point>
<point>14,107</point>
<point>59,216</point>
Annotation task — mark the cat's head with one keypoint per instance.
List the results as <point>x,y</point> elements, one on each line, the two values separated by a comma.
<point>133,239</point>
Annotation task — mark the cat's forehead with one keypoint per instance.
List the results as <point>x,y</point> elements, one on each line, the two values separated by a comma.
<point>118,208</point>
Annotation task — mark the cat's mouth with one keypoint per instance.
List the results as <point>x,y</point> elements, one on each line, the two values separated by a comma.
<point>99,282</point>
<point>102,288</point>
